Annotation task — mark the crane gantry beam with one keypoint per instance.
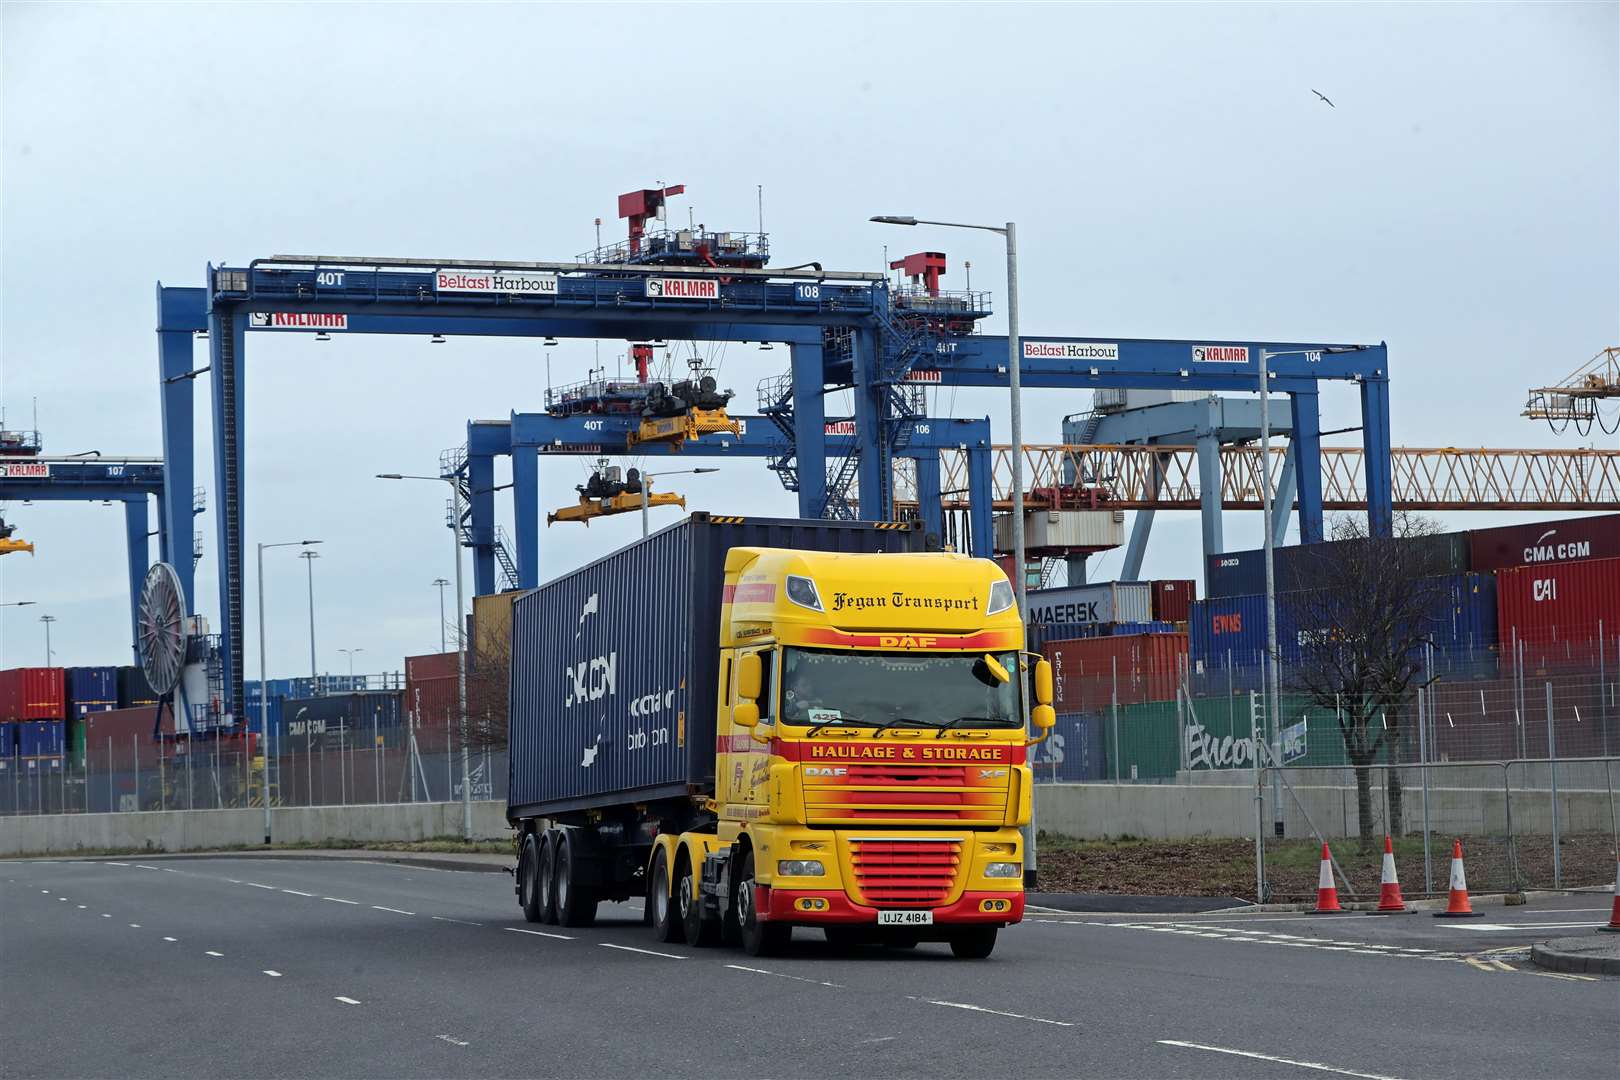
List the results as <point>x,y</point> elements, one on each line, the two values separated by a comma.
<point>1120,478</point>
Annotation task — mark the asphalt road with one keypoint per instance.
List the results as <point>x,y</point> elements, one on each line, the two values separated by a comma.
<point>240,966</point>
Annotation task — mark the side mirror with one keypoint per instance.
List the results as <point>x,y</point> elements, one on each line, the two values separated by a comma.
<point>996,668</point>
<point>745,714</point>
<point>1043,717</point>
<point>750,676</point>
<point>1043,682</point>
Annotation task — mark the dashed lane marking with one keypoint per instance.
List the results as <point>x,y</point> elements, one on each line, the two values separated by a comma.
<point>256,885</point>
<point>295,892</point>
<point>272,974</point>
<point>118,864</point>
<point>453,1041</point>
<point>537,933</point>
<point>345,1000</point>
<point>459,922</point>
<point>995,1012</point>
<point>104,915</point>
<point>1317,1065</point>
<point>134,926</point>
<point>644,952</point>
<point>168,870</point>
<point>395,910</point>
<point>780,975</point>
<point>171,939</point>
<point>143,866</point>
<point>79,906</point>
<point>211,952</point>
<point>340,900</point>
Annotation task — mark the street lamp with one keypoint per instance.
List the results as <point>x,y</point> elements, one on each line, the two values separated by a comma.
<point>18,603</point>
<point>461,641</point>
<point>1009,232</point>
<point>646,476</point>
<point>47,620</point>
<point>264,681</point>
<point>309,558</point>
<point>351,653</point>
<point>441,583</point>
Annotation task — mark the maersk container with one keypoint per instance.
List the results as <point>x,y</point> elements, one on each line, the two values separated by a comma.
<point>615,666</point>
<point>32,694</point>
<point>91,689</point>
<point>1107,602</point>
<point>1544,542</point>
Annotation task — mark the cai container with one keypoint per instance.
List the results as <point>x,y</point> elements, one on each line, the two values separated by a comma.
<point>1559,613</point>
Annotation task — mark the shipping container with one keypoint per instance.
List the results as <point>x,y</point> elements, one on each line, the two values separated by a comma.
<point>1105,602</point>
<point>1172,600</point>
<point>1073,753</point>
<point>40,738</point>
<point>133,689</point>
<point>643,624</point>
<point>431,666</point>
<point>1541,543</point>
<point>120,735</point>
<point>1227,632</point>
<point>8,739</point>
<point>32,694</point>
<point>1092,673</point>
<point>310,725</point>
<point>1559,613</point>
<point>91,689</point>
<point>1307,566</point>
<point>1064,530</point>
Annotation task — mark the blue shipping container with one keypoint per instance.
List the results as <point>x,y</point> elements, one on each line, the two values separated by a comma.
<point>1073,753</point>
<point>40,738</point>
<point>91,689</point>
<point>8,739</point>
<point>1301,566</point>
<point>639,625</point>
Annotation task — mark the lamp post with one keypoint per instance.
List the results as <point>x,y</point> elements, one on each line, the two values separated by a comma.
<point>18,603</point>
<point>461,641</point>
<point>350,653</point>
<point>264,682</point>
<point>646,476</point>
<point>441,583</point>
<point>309,558</point>
<point>1009,232</point>
<point>47,620</point>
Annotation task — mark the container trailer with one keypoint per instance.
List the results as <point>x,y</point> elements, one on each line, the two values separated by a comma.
<point>760,724</point>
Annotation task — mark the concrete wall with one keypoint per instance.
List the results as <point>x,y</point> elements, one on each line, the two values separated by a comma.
<point>194,830</point>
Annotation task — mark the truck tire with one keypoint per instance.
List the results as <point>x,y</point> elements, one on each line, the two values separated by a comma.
<point>528,882</point>
<point>700,931</point>
<point>545,877</point>
<point>666,926</point>
<point>576,903</point>
<point>974,944</point>
<point>758,938</point>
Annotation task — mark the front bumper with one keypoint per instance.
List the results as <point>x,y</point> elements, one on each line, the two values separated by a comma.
<point>837,909</point>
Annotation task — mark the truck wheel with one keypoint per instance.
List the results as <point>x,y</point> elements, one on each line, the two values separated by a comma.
<point>758,938</point>
<point>576,904</point>
<point>974,944</point>
<point>666,927</point>
<point>528,883</point>
<point>545,877</point>
<point>689,902</point>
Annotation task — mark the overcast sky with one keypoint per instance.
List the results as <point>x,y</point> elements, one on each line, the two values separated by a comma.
<point>1170,170</point>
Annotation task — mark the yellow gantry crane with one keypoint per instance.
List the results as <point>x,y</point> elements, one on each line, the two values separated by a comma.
<point>607,493</point>
<point>8,544</point>
<point>1580,398</point>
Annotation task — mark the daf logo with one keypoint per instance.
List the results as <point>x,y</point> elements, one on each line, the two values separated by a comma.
<point>825,770</point>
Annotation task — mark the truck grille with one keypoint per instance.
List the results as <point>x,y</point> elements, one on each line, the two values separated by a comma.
<point>905,873</point>
<point>862,792</point>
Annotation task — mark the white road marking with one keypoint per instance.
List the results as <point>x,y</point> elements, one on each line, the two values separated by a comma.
<point>256,885</point>
<point>1561,975</point>
<point>143,866</point>
<point>998,1012</point>
<point>171,939</point>
<point>795,978</point>
<point>395,910</point>
<point>233,881</point>
<point>1280,1060</point>
<point>453,1041</point>
<point>340,900</point>
<point>134,926</point>
<point>118,864</point>
<point>295,892</point>
<point>537,933</point>
<point>461,922</point>
<point>80,907</point>
<point>272,974</point>
<point>645,952</point>
<point>346,1000</point>
<point>168,870</point>
<point>879,1039</point>
<point>64,900</point>
<point>47,892</point>
<point>211,952</point>
<point>1522,926</point>
<point>104,915</point>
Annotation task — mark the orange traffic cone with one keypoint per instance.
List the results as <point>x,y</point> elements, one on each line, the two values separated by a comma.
<point>1327,894</point>
<point>1614,920</point>
<point>1389,888</point>
<point>1457,905</point>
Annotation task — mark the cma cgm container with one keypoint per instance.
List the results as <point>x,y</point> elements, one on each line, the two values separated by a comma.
<point>32,694</point>
<point>1091,673</point>
<point>1556,610</point>
<point>1108,602</point>
<point>335,720</point>
<point>1546,542</point>
<point>1172,600</point>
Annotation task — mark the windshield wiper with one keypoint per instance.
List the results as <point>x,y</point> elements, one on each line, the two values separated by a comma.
<point>827,723</point>
<point>887,724</point>
<point>947,725</point>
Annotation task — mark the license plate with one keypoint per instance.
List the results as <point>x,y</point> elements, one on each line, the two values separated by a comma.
<point>905,918</point>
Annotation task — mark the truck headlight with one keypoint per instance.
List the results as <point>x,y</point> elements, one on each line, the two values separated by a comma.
<point>1003,869</point>
<point>800,868</point>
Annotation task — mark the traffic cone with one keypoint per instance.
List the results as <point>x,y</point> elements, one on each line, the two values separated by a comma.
<point>1327,894</point>
<point>1614,920</point>
<point>1389,887</point>
<point>1457,905</point>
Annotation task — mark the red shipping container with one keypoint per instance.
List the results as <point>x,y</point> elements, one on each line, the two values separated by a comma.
<point>432,701</point>
<point>1172,600</point>
<point>430,666</point>
<point>1088,672</point>
<point>129,732</point>
<point>1558,610</point>
<point>32,693</point>
<point>1544,542</point>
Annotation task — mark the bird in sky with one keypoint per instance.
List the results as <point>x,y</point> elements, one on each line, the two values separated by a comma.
<point>1324,97</point>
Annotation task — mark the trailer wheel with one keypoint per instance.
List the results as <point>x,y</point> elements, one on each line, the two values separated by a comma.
<point>699,931</point>
<point>545,877</point>
<point>576,903</point>
<point>666,927</point>
<point>974,944</point>
<point>528,880</point>
<point>758,938</point>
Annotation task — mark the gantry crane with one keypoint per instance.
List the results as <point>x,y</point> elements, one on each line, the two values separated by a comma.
<point>7,544</point>
<point>607,493</point>
<point>1581,397</point>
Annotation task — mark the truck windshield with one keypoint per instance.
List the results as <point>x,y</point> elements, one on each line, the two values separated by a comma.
<point>833,686</point>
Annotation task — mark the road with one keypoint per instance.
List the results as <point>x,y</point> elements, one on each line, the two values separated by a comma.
<point>253,966</point>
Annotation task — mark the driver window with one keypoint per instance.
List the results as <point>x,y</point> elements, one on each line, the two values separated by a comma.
<point>767,713</point>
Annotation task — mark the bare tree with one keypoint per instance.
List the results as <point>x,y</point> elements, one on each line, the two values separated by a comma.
<point>488,692</point>
<point>1364,610</point>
